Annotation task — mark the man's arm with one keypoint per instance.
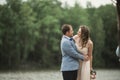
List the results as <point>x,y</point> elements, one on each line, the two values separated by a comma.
<point>69,50</point>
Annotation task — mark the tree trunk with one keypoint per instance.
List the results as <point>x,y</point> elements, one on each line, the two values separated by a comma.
<point>118,11</point>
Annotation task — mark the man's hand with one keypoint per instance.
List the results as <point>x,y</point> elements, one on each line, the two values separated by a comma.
<point>86,58</point>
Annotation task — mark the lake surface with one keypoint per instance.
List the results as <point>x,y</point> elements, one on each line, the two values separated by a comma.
<point>102,74</point>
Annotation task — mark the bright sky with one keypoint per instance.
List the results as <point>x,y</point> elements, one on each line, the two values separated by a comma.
<point>95,3</point>
<point>1,1</point>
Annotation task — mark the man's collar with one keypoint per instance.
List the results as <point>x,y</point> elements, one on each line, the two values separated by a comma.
<point>70,38</point>
<point>66,36</point>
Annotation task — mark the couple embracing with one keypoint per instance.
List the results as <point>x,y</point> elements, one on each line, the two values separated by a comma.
<point>76,53</point>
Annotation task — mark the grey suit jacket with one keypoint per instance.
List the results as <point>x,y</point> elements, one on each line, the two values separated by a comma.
<point>70,55</point>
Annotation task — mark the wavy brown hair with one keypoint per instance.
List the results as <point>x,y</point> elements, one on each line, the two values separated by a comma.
<point>85,35</point>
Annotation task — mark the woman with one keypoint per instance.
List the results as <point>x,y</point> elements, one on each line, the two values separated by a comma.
<point>84,45</point>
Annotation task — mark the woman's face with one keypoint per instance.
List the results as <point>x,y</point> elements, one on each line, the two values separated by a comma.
<point>79,32</point>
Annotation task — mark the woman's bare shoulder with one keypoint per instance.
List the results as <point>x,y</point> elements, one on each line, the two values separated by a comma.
<point>90,42</point>
<point>75,36</point>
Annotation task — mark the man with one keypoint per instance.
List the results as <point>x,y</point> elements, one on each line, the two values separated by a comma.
<point>70,55</point>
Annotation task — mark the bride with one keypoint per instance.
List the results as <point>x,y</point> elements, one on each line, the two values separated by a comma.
<point>84,45</point>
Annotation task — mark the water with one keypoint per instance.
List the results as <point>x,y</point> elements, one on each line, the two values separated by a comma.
<point>54,75</point>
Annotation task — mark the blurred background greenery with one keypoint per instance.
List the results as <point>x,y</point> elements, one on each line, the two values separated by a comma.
<point>30,33</point>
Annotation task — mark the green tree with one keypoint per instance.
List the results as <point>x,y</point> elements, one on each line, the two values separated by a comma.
<point>19,32</point>
<point>110,26</point>
<point>98,35</point>
<point>75,16</point>
<point>48,15</point>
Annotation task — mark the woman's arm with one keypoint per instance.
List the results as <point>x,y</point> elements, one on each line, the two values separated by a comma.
<point>90,50</point>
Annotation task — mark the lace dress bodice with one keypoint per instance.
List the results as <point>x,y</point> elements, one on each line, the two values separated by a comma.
<point>84,50</point>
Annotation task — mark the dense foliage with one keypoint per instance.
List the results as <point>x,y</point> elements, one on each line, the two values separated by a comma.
<point>30,32</point>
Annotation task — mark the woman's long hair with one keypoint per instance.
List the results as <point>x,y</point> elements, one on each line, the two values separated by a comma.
<point>85,35</point>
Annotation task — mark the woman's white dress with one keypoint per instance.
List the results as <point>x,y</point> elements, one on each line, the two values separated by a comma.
<point>84,69</point>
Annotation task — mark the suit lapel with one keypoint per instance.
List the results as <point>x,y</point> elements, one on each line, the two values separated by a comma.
<point>71,41</point>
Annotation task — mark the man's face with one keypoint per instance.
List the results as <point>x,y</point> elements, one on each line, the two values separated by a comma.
<point>70,33</point>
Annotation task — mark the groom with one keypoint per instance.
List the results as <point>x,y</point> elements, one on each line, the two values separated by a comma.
<point>70,55</point>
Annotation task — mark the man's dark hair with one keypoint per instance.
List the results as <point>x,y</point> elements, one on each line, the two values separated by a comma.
<point>65,28</point>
